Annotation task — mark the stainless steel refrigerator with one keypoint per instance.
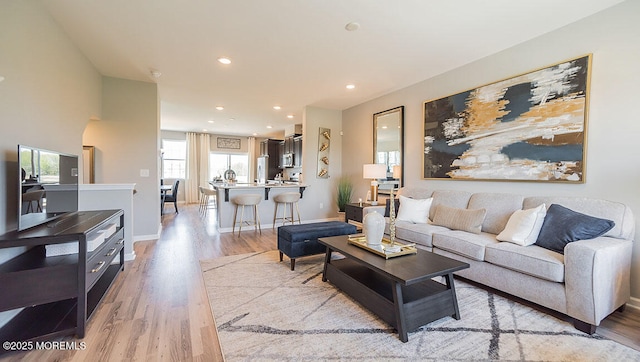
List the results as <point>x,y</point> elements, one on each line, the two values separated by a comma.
<point>262,164</point>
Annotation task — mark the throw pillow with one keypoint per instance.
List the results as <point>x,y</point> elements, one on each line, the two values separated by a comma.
<point>387,207</point>
<point>562,226</point>
<point>469,220</point>
<point>414,210</point>
<point>524,226</point>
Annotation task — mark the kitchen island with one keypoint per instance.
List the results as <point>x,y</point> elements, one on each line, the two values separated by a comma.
<point>266,208</point>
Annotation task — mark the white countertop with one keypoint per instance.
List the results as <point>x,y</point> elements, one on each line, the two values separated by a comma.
<point>257,185</point>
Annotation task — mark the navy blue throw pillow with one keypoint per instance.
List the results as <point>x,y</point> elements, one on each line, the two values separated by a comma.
<point>562,226</point>
<point>387,208</point>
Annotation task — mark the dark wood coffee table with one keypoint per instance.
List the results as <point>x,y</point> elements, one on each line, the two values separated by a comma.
<point>399,290</point>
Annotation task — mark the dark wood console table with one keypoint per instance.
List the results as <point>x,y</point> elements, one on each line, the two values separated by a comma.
<point>353,211</point>
<point>59,294</point>
<point>399,290</point>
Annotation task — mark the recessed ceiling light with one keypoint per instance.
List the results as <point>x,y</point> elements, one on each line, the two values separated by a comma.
<point>352,26</point>
<point>255,134</point>
<point>289,115</point>
<point>269,127</point>
<point>384,127</point>
<point>1,78</point>
<point>211,121</point>
<point>351,86</point>
<point>277,108</point>
<point>224,60</point>
<point>219,108</point>
<point>204,130</point>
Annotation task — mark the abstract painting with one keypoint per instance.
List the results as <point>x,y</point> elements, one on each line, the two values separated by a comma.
<point>529,128</point>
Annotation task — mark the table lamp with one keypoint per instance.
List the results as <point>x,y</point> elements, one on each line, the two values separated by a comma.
<point>397,171</point>
<point>397,175</point>
<point>374,171</point>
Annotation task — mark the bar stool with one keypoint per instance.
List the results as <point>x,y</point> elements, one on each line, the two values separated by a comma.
<point>286,198</point>
<point>206,194</point>
<point>201,198</point>
<point>247,200</point>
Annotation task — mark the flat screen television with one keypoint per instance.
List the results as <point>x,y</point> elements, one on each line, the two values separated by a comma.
<point>47,186</point>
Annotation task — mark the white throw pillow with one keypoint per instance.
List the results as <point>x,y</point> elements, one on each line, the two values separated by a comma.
<point>524,226</point>
<point>414,210</point>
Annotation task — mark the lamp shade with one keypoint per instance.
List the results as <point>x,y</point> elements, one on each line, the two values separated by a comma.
<point>374,170</point>
<point>397,171</point>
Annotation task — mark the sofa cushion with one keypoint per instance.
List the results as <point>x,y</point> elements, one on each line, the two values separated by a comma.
<point>416,233</point>
<point>414,210</point>
<point>463,243</point>
<point>532,260</point>
<point>562,226</point>
<point>415,192</point>
<point>459,219</point>
<point>499,208</point>
<point>524,226</point>
<point>618,212</point>
<point>451,198</point>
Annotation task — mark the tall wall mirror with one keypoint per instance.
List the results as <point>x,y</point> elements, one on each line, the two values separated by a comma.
<point>388,147</point>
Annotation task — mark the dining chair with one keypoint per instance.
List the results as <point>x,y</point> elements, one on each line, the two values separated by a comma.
<point>33,196</point>
<point>173,196</point>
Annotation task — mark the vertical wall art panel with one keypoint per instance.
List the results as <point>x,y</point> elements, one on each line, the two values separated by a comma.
<point>324,143</point>
<point>530,128</point>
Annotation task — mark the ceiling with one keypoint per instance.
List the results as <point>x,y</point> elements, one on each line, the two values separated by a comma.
<point>294,53</point>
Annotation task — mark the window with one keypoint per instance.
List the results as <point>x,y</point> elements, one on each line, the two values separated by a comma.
<point>220,162</point>
<point>174,157</point>
<point>391,158</point>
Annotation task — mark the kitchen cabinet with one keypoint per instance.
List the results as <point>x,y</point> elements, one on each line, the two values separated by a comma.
<point>297,151</point>
<point>270,150</point>
<point>288,145</point>
<point>269,147</point>
<point>281,154</point>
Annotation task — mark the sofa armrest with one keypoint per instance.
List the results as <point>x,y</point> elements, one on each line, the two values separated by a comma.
<point>597,277</point>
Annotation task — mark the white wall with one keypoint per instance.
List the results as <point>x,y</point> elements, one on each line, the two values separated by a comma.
<point>126,141</point>
<point>321,191</point>
<point>111,197</point>
<point>612,170</point>
<point>49,93</point>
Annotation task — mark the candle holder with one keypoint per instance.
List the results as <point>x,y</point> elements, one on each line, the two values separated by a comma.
<point>393,248</point>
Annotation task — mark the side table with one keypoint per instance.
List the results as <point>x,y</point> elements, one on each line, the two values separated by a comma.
<point>354,213</point>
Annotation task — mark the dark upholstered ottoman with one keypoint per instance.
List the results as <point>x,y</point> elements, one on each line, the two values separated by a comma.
<point>302,240</point>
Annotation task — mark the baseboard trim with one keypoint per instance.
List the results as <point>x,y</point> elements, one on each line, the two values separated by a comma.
<point>634,303</point>
<point>130,256</point>
<point>137,238</point>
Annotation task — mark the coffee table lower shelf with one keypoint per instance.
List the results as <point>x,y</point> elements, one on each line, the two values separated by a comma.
<point>404,307</point>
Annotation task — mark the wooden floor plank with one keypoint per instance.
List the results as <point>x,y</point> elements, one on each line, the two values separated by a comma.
<point>158,309</point>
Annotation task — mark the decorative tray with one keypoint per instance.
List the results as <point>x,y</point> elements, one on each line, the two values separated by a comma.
<point>360,241</point>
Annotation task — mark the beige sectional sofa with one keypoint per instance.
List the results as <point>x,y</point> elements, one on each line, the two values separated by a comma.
<point>587,283</point>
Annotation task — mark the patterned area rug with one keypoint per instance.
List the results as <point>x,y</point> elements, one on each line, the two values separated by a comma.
<point>265,311</point>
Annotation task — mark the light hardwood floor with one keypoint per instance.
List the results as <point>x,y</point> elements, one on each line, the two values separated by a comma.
<point>157,309</point>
